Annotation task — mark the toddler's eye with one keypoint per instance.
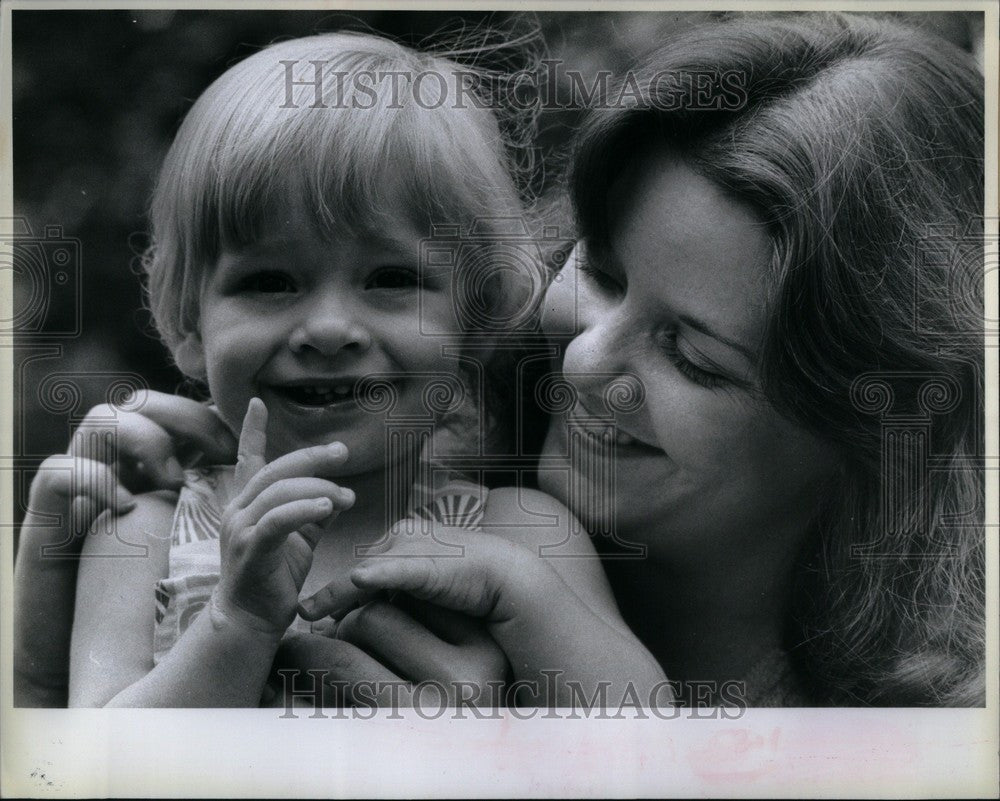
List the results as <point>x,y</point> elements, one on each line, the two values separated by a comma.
<point>393,278</point>
<point>269,283</point>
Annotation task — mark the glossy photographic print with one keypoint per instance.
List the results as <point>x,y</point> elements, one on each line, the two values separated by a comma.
<point>441,401</point>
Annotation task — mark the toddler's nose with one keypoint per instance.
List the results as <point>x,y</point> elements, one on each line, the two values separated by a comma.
<point>329,330</point>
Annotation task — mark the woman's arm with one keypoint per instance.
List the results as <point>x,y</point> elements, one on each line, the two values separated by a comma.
<point>551,637</point>
<point>566,618</point>
<point>539,523</point>
<point>554,617</point>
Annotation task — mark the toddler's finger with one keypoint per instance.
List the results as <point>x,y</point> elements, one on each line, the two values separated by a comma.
<point>312,533</point>
<point>317,460</point>
<point>253,442</point>
<point>275,526</point>
<point>292,489</point>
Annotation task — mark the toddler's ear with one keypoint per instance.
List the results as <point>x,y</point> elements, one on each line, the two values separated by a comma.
<point>190,357</point>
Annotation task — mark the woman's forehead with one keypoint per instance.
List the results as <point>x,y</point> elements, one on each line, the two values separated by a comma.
<point>700,252</point>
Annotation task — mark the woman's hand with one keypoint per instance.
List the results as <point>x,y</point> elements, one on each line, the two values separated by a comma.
<point>426,643</point>
<point>397,654</point>
<point>542,626</point>
<point>113,453</point>
<point>150,435</point>
<point>485,580</point>
<point>270,528</point>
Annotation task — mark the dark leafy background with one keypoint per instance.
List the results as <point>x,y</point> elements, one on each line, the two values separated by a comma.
<point>97,96</point>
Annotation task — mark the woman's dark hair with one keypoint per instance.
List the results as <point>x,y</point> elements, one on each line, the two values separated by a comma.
<point>859,141</point>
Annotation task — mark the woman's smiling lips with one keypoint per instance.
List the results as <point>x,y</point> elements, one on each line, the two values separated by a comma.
<point>599,429</point>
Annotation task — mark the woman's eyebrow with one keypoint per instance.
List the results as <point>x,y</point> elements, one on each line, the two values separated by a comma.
<point>698,325</point>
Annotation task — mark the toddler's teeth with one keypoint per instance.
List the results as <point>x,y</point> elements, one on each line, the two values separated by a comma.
<point>321,394</point>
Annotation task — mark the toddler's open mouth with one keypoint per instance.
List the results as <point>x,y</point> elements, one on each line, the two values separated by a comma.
<point>317,394</point>
<point>345,392</point>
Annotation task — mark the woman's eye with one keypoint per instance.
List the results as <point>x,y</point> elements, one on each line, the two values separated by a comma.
<point>687,368</point>
<point>603,280</point>
<point>268,283</point>
<point>393,278</point>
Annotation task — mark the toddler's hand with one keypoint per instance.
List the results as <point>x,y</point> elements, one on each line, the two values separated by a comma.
<point>269,530</point>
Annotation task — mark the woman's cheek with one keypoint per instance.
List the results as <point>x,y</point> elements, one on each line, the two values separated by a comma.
<point>695,425</point>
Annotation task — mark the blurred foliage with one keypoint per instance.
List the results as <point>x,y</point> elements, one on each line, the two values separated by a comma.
<point>97,96</point>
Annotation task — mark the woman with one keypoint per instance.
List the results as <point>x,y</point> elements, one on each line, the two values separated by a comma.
<point>857,150</point>
<point>777,245</point>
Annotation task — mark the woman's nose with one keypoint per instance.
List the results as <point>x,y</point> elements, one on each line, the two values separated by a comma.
<point>330,325</point>
<point>590,326</point>
<point>598,352</point>
<point>560,318</point>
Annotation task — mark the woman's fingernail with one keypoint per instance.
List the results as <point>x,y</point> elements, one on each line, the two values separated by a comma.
<point>174,470</point>
<point>337,448</point>
<point>346,495</point>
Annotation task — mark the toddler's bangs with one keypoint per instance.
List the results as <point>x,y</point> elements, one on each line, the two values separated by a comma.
<point>375,152</point>
<point>310,120</point>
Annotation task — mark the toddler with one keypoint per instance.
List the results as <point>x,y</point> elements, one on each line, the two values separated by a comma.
<point>286,273</point>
